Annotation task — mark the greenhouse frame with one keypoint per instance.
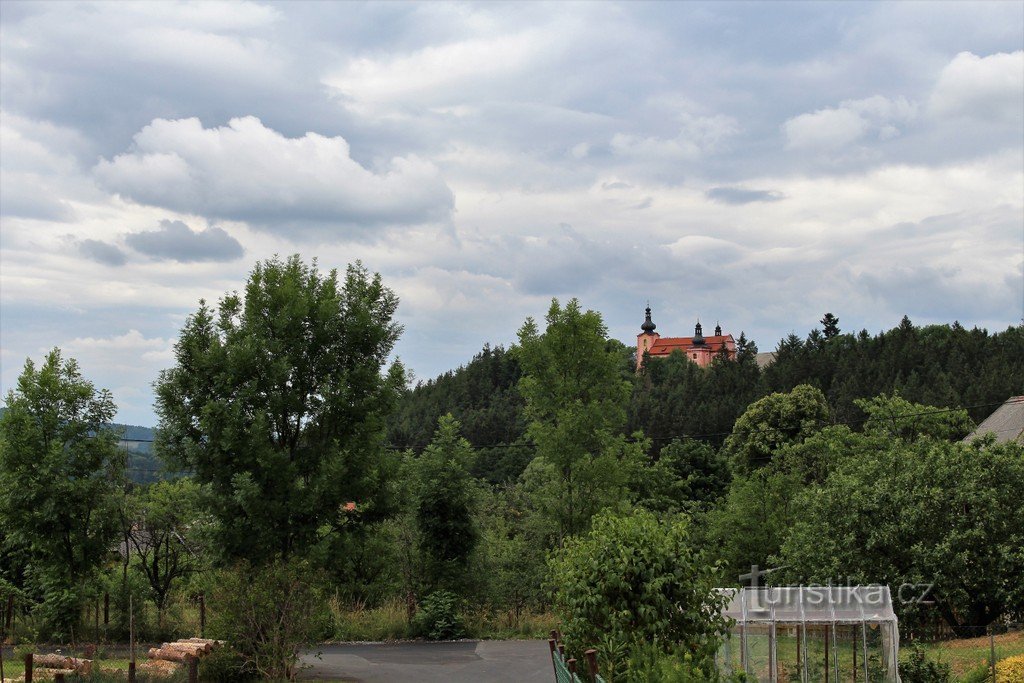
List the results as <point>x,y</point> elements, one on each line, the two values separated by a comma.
<point>811,634</point>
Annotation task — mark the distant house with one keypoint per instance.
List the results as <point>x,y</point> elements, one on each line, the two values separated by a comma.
<point>698,348</point>
<point>1007,423</point>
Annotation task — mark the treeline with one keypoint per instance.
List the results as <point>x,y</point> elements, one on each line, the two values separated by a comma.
<point>322,488</point>
<point>938,365</point>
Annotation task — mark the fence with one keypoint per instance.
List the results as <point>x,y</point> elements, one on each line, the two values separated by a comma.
<point>565,669</point>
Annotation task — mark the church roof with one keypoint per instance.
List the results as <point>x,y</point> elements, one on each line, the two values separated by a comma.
<point>666,345</point>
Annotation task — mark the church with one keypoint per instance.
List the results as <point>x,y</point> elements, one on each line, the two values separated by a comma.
<point>698,348</point>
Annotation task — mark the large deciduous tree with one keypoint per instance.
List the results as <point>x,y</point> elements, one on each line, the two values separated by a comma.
<point>60,471</point>
<point>576,400</point>
<point>278,403</point>
<point>927,513</point>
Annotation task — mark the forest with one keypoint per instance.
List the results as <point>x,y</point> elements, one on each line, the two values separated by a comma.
<point>318,496</point>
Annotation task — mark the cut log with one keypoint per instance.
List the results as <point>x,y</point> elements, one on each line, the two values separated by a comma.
<point>209,641</point>
<point>198,649</point>
<point>168,654</point>
<point>82,666</point>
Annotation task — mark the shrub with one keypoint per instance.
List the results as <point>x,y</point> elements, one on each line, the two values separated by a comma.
<point>1010,670</point>
<point>917,668</point>
<point>224,665</point>
<point>635,579</point>
<point>438,617</point>
<point>268,615</point>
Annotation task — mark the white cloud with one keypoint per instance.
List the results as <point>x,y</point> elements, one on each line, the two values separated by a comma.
<point>246,171</point>
<point>835,128</point>
<point>986,88</point>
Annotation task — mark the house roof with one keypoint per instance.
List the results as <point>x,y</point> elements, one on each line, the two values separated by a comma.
<point>666,345</point>
<point>1007,422</point>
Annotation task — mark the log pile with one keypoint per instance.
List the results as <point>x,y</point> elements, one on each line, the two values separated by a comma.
<point>51,665</point>
<point>183,649</point>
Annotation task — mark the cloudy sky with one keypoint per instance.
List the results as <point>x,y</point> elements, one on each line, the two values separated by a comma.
<point>757,164</point>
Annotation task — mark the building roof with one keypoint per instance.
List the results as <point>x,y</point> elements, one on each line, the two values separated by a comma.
<point>1007,422</point>
<point>666,345</point>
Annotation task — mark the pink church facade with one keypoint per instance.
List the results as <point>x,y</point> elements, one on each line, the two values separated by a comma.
<point>698,348</point>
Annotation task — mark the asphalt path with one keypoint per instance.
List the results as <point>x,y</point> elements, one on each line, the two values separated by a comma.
<point>470,661</point>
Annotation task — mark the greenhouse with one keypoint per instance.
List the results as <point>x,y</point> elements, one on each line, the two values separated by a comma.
<point>811,633</point>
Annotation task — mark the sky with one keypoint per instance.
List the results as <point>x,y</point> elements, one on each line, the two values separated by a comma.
<point>756,164</point>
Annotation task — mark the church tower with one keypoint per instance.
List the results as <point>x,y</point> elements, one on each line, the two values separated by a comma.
<point>645,340</point>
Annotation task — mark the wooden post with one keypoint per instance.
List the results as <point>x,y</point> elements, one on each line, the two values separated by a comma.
<point>992,651</point>
<point>799,659</point>
<point>131,672</point>
<point>28,668</point>
<point>202,615</point>
<point>561,651</point>
<point>9,623</point>
<point>827,667</point>
<point>106,610</point>
<point>193,669</point>
<point>853,643</point>
<point>572,669</point>
<point>591,657</point>
<point>554,649</point>
<point>58,678</point>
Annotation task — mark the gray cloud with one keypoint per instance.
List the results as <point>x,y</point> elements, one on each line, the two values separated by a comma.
<point>175,241</point>
<point>739,195</point>
<point>102,252</point>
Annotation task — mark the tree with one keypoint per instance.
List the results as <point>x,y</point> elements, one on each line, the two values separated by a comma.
<point>632,580</point>
<point>830,325</point>
<point>576,406</point>
<point>897,418</point>
<point>444,493</point>
<point>278,403</point>
<point>928,512</point>
<point>60,472</point>
<point>164,526</point>
<point>772,422</point>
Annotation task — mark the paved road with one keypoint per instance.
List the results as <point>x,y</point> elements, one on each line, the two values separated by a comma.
<point>501,661</point>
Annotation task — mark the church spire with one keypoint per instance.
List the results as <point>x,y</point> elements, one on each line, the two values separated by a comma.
<point>648,326</point>
<point>698,335</point>
<point>718,329</point>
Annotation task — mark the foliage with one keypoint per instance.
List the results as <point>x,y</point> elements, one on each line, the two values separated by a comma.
<point>917,668</point>
<point>772,422</point>
<point>278,403</point>
<point>268,614</point>
<point>923,513</point>
<point>59,475</point>
<point>1010,669</point>
<point>633,579</point>
<point>164,526</point>
<point>894,417</point>
<point>576,401</point>
<point>443,500</point>
<point>438,617</point>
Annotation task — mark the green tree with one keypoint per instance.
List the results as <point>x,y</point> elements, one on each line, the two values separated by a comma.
<point>60,473</point>
<point>278,404</point>
<point>576,400</point>
<point>165,525</point>
<point>444,501</point>
<point>773,422</point>
<point>897,418</point>
<point>926,512</point>
<point>633,580</point>
<point>830,326</point>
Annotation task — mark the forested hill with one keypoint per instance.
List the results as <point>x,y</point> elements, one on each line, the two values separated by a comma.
<point>940,365</point>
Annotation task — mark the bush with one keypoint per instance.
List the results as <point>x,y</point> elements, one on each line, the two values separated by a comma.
<point>438,617</point>
<point>268,615</point>
<point>1010,670</point>
<point>635,579</point>
<point>224,665</point>
<point>917,668</point>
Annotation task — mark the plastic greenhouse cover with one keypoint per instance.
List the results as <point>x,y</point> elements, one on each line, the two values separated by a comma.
<point>796,604</point>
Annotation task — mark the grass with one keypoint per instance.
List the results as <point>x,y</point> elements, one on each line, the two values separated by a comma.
<point>390,622</point>
<point>968,654</point>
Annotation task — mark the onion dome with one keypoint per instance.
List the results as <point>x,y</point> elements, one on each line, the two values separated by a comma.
<point>648,326</point>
